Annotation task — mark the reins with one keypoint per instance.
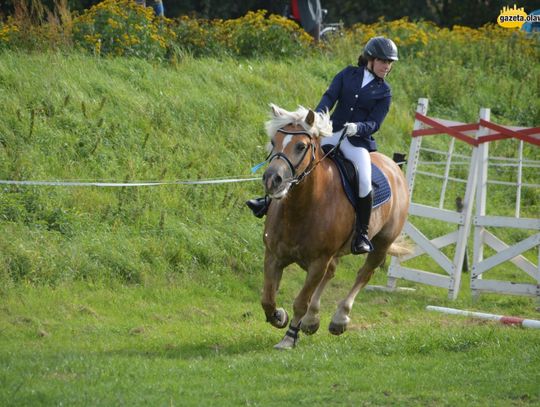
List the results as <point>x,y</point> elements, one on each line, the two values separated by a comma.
<point>296,179</point>
<point>309,170</point>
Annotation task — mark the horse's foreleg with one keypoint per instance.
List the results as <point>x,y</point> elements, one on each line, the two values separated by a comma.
<point>310,321</point>
<point>341,319</point>
<point>273,272</point>
<point>315,274</point>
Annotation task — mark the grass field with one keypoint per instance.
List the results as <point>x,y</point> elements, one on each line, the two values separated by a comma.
<point>150,296</point>
<point>180,344</point>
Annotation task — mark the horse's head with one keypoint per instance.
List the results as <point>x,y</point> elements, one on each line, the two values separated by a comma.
<point>293,145</point>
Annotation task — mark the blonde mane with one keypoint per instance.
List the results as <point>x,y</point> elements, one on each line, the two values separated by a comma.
<point>322,126</point>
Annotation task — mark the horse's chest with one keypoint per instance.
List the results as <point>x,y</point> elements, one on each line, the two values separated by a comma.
<point>289,242</point>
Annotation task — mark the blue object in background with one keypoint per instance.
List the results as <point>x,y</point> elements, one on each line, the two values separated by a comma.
<point>532,27</point>
<point>159,9</point>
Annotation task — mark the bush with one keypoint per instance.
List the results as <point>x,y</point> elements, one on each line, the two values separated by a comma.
<point>21,34</point>
<point>255,35</point>
<point>252,35</point>
<point>123,28</point>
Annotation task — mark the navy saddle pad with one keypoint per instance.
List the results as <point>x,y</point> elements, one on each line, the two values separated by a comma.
<point>379,182</point>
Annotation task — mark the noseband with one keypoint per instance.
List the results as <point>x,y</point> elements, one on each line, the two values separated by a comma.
<point>296,178</point>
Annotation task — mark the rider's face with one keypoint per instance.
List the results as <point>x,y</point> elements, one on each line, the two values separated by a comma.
<point>381,67</point>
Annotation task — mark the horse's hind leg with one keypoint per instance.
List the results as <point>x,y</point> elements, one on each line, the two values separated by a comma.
<point>310,321</point>
<point>341,319</point>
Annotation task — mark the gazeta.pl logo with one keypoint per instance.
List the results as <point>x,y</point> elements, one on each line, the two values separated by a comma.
<point>515,17</point>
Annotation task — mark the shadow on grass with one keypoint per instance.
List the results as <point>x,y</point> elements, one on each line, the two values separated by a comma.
<point>200,350</point>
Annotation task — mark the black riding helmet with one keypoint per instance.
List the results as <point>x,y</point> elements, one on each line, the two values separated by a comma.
<point>381,48</point>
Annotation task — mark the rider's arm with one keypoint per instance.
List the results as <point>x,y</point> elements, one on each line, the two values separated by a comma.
<point>330,97</point>
<point>375,119</point>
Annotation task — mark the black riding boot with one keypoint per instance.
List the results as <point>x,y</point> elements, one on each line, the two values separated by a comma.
<point>259,206</point>
<point>361,243</point>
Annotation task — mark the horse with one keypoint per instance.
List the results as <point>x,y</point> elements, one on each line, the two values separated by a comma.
<point>310,221</point>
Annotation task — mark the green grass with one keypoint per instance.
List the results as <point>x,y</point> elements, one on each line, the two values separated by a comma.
<point>150,296</point>
<point>182,345</point>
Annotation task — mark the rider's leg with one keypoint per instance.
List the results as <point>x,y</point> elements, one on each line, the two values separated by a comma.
<point>362,162</point>
<point>333,139</point>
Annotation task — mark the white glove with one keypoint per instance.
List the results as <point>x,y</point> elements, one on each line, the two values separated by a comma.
<point>350,129</point>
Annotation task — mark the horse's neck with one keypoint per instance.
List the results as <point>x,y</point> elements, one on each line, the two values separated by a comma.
<point>308,192</point>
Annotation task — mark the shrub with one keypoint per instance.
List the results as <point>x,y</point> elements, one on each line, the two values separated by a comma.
<point>410,37</point>
<point>252,35</point>
<point>21,34</point>
<point>255,35</point>
<point>198,36</point>
<point>123,28</point>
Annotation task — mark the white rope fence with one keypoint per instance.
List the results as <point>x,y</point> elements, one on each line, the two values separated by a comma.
<point>127,184</point>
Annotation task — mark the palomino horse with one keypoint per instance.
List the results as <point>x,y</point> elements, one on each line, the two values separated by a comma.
<point>311,222</point>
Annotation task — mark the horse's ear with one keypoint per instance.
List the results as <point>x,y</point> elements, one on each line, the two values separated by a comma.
<point>310,118</point>
<point>276,111</point>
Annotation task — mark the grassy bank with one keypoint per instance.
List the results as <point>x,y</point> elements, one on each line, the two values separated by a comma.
<point>80,118</point>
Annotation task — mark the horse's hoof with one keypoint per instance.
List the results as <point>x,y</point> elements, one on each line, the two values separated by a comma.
<point>281,318</point>
<point>337,329</point>
<point>311,328</point>
<point>286,343</point>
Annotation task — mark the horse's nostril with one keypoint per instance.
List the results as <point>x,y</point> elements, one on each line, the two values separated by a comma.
<point>277,180</point>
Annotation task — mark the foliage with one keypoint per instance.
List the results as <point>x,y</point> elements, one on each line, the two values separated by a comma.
<point>253,35</point>
<point>444,13</point>
<point>123,28</point>
<point>22,34</point>
<point>424,39</point>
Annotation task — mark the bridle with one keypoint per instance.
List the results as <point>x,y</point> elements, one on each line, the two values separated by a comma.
<point>297,178</point>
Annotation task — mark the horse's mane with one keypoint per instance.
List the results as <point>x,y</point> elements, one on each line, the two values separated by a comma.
<point>322,126</point>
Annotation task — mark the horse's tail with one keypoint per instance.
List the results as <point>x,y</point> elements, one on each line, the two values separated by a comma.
<point>400,247</point>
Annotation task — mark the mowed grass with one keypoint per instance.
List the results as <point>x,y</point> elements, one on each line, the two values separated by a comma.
<point>180,344</point>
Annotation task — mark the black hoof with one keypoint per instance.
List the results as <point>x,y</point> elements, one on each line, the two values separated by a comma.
<point>280,319</point>
<point>337,329</point>
<point>310,329</point>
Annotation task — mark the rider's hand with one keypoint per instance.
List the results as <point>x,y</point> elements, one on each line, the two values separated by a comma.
<point>350,129</point>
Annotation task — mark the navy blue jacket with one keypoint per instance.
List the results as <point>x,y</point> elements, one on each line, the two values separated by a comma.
<point>367,106</point>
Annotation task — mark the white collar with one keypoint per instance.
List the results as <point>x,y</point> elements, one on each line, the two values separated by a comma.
<point>368,77</point>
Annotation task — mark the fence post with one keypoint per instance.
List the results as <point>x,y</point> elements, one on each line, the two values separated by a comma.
<point>412,162</point>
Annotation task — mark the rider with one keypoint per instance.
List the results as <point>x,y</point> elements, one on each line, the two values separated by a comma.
<point>363,100</point>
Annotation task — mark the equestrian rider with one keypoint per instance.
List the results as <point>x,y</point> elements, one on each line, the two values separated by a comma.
<point>363,100</point>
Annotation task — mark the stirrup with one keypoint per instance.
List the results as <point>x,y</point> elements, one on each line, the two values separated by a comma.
<point>259,206</point>
<point>361,244</point>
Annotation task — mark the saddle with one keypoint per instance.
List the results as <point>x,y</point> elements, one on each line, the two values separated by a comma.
<point>349,179</point>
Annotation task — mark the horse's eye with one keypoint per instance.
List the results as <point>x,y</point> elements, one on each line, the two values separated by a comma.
<point>300,147</point>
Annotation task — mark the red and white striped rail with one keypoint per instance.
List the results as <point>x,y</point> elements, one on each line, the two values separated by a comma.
<point>526,323</point>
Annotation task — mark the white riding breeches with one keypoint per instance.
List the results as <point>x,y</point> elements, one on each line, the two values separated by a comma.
<point>360,158</point>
